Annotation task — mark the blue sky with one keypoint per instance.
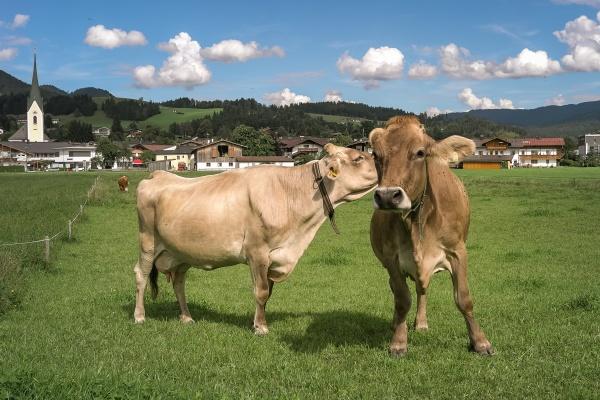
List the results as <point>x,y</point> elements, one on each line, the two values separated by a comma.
<point>472,54</point>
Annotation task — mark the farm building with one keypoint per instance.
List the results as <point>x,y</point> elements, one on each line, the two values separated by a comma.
<point>589,143</point>
<point>102,132</point>
<point>487,162</point>
<point>138,149</point>
<point>224,155</point>
<point>296,146</point>
<point>361,145</point>
<point>522,152</point>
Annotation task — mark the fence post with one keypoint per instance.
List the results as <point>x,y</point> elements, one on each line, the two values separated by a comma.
<point>69,230</point>
<point>47,249</point>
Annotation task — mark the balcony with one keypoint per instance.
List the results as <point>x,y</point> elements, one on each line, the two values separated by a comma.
<point>540,156</point>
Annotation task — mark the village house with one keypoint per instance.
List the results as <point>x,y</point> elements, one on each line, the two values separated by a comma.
<point>497,153</point>
<point>102,132</point>
<point>181,158</point>
<point>218,155</point>
<point>296,146</point>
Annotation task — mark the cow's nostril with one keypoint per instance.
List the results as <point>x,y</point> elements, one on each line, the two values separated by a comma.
<point>397,197</point>
<point>377,197</point>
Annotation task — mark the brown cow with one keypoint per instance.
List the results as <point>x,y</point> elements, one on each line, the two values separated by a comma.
<point>124,184</point>
<point>421,221</point>
<point>264,216</point>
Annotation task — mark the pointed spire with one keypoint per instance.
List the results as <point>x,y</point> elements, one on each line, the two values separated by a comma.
<point>35,94</point>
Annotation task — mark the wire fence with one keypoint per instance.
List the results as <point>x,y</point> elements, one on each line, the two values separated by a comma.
<point>68,230</point>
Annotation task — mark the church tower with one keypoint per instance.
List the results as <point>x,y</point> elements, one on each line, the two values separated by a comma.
<point>35,109</point>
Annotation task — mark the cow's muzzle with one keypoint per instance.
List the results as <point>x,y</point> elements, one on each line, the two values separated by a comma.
<point>391,198</point>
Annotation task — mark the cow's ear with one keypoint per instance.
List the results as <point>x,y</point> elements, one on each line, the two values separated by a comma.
<point>330,149</point>
<point>333,168</point>
<point>453,148</point>
<point>375,135</point>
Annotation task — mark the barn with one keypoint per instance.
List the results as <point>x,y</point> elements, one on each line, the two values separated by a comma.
<point>487,162</point>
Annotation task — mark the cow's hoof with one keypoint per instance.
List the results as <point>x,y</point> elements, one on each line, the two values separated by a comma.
<point>261,330</point>
<point>397,352</point>
<point>421,327</point>
<point>483,348</point>
<point>186,320</point>
<point>139,320</point>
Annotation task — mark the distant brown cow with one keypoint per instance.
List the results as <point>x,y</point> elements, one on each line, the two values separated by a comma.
<point>421,221</point>
<point>124,184</point>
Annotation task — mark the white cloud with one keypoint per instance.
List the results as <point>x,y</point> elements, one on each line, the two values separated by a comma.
<point>19,21</point>
<point>233,50</point>
<point>378,64</point>
<point>528,64</point>
<point>8,54</point>
<point>434,112</point>
<point>285,98</point>
<point>592,3</point>
<point>582,35</point>
<point>422,70</point>
<point>482,103</point>
<point>184,67</point>
<point>558,100</point>
<point>100,36</point>
<point>333,96</point>
<point>455,62</point>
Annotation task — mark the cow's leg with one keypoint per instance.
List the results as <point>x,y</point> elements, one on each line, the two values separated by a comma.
<point>398,345</point>
<point>179,288</point>
<point>142,270</point>
<point>263,286</point>
<point>421,317</point>
<point>462,298</point>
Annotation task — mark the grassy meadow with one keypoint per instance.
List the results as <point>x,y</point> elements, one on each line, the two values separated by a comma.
<point>534,268</point>
<point>167,116</point>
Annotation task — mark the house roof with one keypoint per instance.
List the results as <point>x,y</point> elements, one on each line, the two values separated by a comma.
<point>217,142</point>
<point>152,147</point>
<point>264,159</point>
<point>487,159</point>
<point>177,150</point>
<point>45,147</point>
<point>363,142</point>
<point>294,141</point>
<point>525,142</point>
<point>21,134</point>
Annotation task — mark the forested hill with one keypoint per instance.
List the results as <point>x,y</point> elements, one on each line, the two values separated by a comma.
<point>358,110</point>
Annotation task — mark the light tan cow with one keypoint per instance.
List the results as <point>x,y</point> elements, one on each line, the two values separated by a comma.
<point>421,221</point>
<point>263,216</point>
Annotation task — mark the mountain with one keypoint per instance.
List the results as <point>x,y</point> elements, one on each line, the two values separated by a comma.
<point>567,120</point>
<point>10,84</point>
<point>92,92</point>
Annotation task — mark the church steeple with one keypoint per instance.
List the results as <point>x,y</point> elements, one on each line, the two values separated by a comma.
<point>35,94</point>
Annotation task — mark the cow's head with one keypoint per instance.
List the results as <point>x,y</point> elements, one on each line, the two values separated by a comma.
<point>402,152</point>
<point>352,171</point>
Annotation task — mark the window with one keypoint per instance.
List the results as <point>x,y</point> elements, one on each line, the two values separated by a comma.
<point>223,150</point>
<point>534,161</point>
<point>219,164</point>
<point>534,152</point>
<point>480,152</point>
<point>231,164</point>
<point>208,164</point>
<point>79,154</point>
<point>547,161</point>
<point>35,119</point>
<point>164,157</point>
<point>178,157</point>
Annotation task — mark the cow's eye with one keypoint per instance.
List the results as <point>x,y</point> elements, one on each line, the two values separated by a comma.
<point>420,154</point>
<point>358,159</point>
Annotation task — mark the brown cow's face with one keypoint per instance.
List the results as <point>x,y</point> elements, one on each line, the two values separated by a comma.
<point>354,171</point>
<point>402,151</point>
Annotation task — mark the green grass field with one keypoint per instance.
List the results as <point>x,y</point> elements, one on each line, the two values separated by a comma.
<point>162,120</point>
<point>534,268</point>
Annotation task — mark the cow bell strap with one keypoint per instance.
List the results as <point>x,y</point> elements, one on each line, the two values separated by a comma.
<point>326,201</point>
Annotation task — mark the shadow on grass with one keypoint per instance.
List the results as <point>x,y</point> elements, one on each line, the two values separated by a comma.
<point>337,328</point>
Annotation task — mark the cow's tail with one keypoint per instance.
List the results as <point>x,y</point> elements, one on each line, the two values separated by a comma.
<point>153,281</point>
